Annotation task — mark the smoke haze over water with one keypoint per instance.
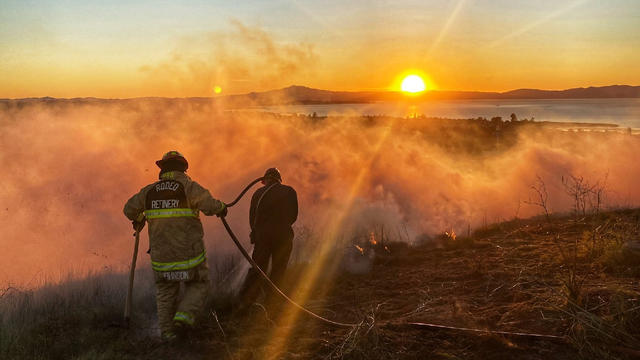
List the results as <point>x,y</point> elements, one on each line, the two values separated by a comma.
<point>70,166</point>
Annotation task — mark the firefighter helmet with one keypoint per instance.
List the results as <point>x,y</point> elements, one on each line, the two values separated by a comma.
<point>172,156</point>
<point>272,173</point>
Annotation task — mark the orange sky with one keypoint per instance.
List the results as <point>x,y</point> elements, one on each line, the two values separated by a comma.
<point>132,49</point>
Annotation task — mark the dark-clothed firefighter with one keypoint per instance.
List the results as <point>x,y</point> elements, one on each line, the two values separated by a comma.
<point>274,209</point>
<point>172,206</point>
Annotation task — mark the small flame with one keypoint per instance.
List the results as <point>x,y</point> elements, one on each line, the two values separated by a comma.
<point>451,235</point>
<point>372,239</point>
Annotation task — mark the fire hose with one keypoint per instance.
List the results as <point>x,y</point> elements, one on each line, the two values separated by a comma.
<point>302,308</point>
<point>348,325</point>
<point>257,268</point>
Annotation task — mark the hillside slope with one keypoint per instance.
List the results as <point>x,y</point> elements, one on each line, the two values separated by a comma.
<point>574,277</point>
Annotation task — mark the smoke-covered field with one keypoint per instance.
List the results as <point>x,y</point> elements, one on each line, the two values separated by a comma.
<point>70,166</point>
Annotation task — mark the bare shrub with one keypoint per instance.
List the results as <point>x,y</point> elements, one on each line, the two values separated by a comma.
<point>541,197</point>
<point>585,195</point>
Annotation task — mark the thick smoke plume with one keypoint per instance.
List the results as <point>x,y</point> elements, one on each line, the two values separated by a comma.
<point>70,165</point>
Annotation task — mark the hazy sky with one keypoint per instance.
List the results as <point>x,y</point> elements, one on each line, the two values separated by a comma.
<point>186,48</point>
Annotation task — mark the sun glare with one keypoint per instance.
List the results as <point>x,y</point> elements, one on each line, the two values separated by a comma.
<point>412,84</point>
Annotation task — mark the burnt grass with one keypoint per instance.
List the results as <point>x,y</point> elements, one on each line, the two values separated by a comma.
<point>572,276</point>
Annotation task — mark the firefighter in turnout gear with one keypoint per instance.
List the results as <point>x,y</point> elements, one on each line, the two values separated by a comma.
<point>274,209</point>
<point>172,205</point>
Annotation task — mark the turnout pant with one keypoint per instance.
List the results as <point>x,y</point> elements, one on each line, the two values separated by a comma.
<point>276,249</point>
<point>186,310</point>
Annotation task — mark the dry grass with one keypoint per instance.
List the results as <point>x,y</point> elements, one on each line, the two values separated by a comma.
<point>57,321</point>
<point>510,276</point>
<point>361,341</point>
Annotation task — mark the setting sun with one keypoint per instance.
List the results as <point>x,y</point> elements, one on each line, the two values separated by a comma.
<point>412,84</point>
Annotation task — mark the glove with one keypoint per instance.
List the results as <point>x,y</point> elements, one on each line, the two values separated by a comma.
<point>223,212</point>
<point>138,225</point>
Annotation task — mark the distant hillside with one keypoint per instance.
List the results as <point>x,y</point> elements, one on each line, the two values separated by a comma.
<point>305,95</point>
<point>613,91</point>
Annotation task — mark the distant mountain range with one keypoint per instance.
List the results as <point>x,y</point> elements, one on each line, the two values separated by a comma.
<point>305,95</point>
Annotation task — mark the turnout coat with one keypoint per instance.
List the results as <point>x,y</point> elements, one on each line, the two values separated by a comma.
<point>172,207</point>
